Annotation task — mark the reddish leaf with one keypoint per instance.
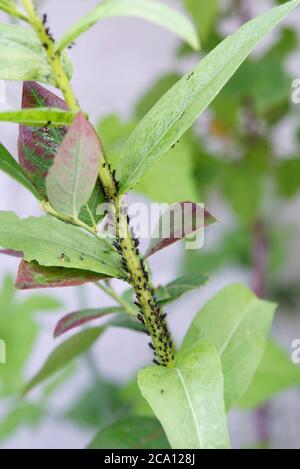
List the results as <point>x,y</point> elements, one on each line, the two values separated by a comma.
<point>177,222</point>
<point>82,317</point>
<point>31,275</point>
<point>72,320</point>
<point>38,145</point>
<point>72,177</point>
<point>10,252</point>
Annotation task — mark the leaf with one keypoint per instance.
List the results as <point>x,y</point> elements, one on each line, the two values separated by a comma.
<point>177,165</point>
<point>177,110</point>
<point>18,326</point>
<point>178,221</point>
<point>237,323</point>
<point>39,117</point>
<point>31,275</point>
<point>179,287</point>
<point>203,14</point>
<point>79,318</point>
<point>150,10</point>
<point>19,416</point>
<point>132,433</point>
<point>173,176</point>
<point>11,253</point>
<point>10,7</point>
<point>72,177</point>
<point>52,243</point>
<point>72,320</point>
<point>9,165</point>
<point>38,147</point>
<point>188,399</point>
<point>288,177</point>
<point>97,406</point>
<point>23,57</point>
<point>244,191</point>
<point>64,354</point>
<point>276,373</point>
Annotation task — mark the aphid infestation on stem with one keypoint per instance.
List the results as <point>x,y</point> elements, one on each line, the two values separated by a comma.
<point>150,313</point>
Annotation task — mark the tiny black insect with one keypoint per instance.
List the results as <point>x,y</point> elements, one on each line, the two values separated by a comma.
<point>45,19</point>
<point>151,346</point>
<point>141,319</point>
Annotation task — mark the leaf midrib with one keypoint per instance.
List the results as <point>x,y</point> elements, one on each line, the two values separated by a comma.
<point>193,412</point>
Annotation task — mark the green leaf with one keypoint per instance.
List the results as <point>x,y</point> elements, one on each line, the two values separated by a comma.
<point>64,354</point>
<point>9,165</point>
<point>178,164</point>
<point>23,57</point>
<point>288,177</point>
<point>40,117</point>
<point>276,373</point>
<point>203,13</point>
<point>150,10</point>
<point>174,290</point>
<point>179,287</point>
<point>176,111</point>
<point>244,190</point>
<point>188,399</point>
<point>173,176</point>
<point>22,415</point>
<point>72,177</point>
<point>237,323</point>
<point>51,242</point>
<point>132,433</point>
<point>97,406</point>
<point>18,326</point>
<point>31,275</point>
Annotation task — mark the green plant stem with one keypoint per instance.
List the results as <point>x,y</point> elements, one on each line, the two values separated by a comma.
<point>54,57</point>
<point>13,11</point>
<point>150,314</point>
<point>110,292</point>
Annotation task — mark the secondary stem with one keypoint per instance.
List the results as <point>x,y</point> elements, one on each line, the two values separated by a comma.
<point>150,313</point>
<point>110,292</point>
<point>54,57</point>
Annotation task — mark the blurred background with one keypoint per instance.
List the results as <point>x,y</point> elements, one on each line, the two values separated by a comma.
<point>242,160</point>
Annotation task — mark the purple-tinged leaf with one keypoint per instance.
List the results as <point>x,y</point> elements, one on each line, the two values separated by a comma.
<point>72,177</point>
<point>79,318</point>
<point>38,145</point>
<point>11,252</point>
<point>177,222</point>
<point>31,276</point>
